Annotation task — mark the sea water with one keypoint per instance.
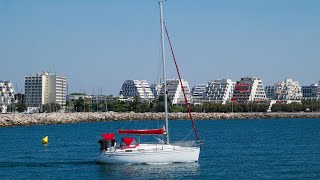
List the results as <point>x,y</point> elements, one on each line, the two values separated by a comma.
<point>233,149</point>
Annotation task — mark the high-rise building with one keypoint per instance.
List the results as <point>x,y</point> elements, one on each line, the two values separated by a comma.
<point>6,95</point>
<point>249,89</point>
<point>287,90</point>
<point>175,93</point>
<point>220,91</point>
<point>44,88</point>
<point>136,88</point>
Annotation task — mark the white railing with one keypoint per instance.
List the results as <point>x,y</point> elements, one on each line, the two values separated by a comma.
<point>194,143</point>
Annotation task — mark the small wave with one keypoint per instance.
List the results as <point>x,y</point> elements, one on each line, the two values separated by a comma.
<point>159,163</point>
<point>80,162</point>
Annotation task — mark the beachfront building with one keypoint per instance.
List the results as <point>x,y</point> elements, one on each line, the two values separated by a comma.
<point>156,89</point>
<point>45,88</point>
<point>198,92</point>
<point>175,93</point>
<point>287,90</point>
<point>219,91</point>
<point>269,92</point>
<point>311,92</point>
<point>91,103</point>
<point>74,97</point>
<point>248,89</point>
<point>136,88</point>
<point>94,99</point>
<point>6,95</point>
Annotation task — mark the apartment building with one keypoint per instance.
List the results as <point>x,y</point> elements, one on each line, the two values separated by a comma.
<point>175,93</point>
<point>156,90</point>
<point>6,95</point>
<point>136,88</point>
<point>249,89</point>
<point>311,92</point>
<point>220,91</point>
<point>269,92</point>
<point>287,90</point>
<point>44,88</point>
<point>199,92</point>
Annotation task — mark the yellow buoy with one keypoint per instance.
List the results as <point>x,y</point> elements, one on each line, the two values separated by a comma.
<point>45,140</point>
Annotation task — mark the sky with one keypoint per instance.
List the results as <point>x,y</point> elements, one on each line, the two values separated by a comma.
<point>98,44</point>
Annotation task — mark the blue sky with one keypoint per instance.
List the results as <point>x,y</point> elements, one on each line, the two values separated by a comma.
<point>101,43</point>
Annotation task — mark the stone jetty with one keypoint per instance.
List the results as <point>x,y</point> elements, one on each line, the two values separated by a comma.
<point>62,118</point>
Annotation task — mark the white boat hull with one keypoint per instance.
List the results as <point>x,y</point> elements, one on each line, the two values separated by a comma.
<point>148,154</point>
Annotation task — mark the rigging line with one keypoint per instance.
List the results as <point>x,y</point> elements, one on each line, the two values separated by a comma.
<point>184,94</point>
<point>187,135</point>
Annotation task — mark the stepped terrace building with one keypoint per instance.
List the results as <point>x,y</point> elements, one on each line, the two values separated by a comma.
<point>175,91</point>
<point>287,90</point>
<point>6,95</point>
<point>136,88</point>
<point>156,90</point>
<point>198,92</point>
<point>220,91</point>
<point>44,88</point>
<point>248,89</point>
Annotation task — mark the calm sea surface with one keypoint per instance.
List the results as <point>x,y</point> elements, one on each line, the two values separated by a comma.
<point>234,149</point>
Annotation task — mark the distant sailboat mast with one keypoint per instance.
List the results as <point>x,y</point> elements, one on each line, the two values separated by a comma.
<point>164,72</point>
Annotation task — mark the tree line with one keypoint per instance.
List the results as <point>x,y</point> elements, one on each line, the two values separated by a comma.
<point>140,106</point>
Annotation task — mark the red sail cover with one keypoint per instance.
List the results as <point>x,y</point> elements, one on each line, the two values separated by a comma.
<point>142,131</point>
<point>108,136</point>
<point>128,141</point>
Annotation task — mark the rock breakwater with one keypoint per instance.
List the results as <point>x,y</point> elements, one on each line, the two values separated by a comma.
<point>62,118</point>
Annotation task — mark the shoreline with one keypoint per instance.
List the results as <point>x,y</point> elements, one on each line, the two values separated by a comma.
<point>8,120</point>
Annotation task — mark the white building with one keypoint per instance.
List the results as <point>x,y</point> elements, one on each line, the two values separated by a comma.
<point>156,90</point>
<point>136,88</point>
<point>287,90</point>
<point>92,103</point>
<point>249,89</point>
<point>44,88</point>
<point>175,93</point>
<point>311,92</point>
<point>6,95</point>
<point>76,96</point>
<point>220,91</point>
<point>199,92</point>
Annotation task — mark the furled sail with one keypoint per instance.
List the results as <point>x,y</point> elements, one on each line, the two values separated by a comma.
<point>142,131</point>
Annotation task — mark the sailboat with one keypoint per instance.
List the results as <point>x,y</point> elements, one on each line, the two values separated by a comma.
<point>132,152</point>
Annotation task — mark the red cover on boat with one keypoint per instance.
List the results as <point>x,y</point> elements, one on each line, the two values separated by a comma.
<point>108,136</point>
<point>128,141</point>
<point>142,131</point>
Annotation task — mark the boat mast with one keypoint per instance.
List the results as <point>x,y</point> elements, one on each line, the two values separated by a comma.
<point>164,72</point>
